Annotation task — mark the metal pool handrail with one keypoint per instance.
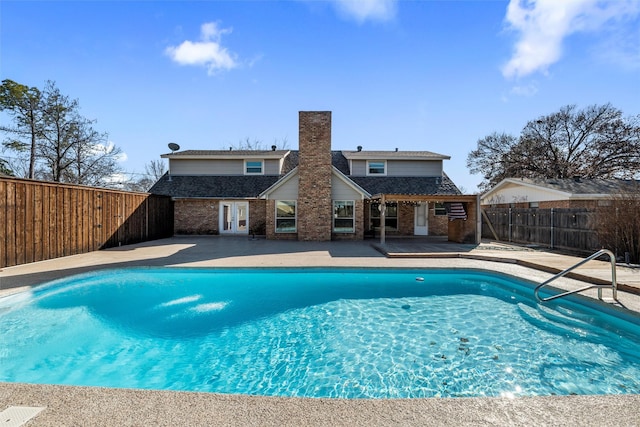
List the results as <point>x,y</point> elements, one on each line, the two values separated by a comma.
<point>614,283</point>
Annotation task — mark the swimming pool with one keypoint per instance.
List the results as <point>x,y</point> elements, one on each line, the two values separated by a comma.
<point>348,333</point>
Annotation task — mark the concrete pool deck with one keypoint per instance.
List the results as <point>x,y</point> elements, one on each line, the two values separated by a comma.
<point>67,405</point>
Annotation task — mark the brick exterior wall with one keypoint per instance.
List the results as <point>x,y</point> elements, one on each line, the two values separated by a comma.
<point>406,224</point>
<point>196,216</point>
<point>257,217</point>
<point>314,207</point>
<point>438,224</point>
<point>201,216</point>
<point>464,231</point>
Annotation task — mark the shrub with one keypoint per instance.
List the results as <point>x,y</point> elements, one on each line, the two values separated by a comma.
<point>618,225</point>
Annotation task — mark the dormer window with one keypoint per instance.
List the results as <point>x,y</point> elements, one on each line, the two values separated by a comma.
<point>253,167</point>
<point>376,167</point>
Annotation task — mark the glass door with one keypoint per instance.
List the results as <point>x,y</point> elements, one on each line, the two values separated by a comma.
<point>234,217</point>
<point>421,222</point>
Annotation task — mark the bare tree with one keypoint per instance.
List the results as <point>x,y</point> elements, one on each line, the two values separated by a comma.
<point>492,158</point>
<point>71,150</point>
<point>23,105</point>
<point>596,142</point>
<point>155,169</point>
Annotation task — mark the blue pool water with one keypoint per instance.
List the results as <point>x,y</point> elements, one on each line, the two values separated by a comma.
<point>317,333</point>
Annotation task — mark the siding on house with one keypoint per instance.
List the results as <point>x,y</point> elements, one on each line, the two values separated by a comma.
<point>341,191</point>
<point>401,167</point>
<point>206,167</point>
<point>287,191</point>
<point>219,166</point>
<point>414,168</point>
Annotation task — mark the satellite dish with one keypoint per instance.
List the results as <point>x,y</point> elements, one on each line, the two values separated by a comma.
<point>173,146</point>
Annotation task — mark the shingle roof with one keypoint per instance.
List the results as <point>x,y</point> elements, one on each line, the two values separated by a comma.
<point>225,153</point>
<point>222,186</point>
<point>407,185</point>
<point>583,185</point>
<point>381,155</point>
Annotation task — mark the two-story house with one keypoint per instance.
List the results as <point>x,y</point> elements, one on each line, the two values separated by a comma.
<point>312,193</point>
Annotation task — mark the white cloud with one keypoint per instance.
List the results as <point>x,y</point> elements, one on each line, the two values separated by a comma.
<point>207,52</point>
<point>544,24</point>
<point>363,10</point>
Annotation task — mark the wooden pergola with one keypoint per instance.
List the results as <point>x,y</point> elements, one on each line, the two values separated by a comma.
<point>472,200</point>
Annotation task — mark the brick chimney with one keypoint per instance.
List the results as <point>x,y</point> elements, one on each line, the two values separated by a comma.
<point>315,210</point>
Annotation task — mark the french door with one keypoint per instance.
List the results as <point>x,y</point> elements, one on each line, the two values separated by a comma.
<point>234,217</point>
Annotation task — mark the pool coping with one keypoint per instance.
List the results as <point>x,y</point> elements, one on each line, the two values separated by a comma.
<point>73,405</point>
<point>66,406</point>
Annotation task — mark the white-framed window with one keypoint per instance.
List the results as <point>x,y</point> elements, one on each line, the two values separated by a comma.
<point>376,167</point>
<point>391,216</point>
<point>534,204</point>
<point>344,216</point>
<point>253,167</point>
<point>286,216</point>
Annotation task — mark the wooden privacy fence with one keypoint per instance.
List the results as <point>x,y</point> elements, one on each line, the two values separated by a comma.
<point>570,229</point>
<point>43,220</point>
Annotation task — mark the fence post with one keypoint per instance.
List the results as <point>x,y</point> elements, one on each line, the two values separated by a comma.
<point>510,224</point>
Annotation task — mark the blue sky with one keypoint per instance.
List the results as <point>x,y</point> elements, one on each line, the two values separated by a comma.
<point>413,75</point>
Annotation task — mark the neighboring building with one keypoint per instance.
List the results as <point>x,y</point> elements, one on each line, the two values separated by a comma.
<point>556,193</point>
<point>312,193</point>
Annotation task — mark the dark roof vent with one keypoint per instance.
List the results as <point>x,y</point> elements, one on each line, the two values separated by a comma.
<point>359,147</point>
<point>396,149</point>
<point>273,148</point>
<point>230,148</point>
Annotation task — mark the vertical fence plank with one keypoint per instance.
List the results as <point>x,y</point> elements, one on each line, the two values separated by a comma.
<point>10,240</point>
<point>37,222</point>
<point>3,223</point>
<point>20,223</point>
<point>28,223</point>
<point>98,239</point>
